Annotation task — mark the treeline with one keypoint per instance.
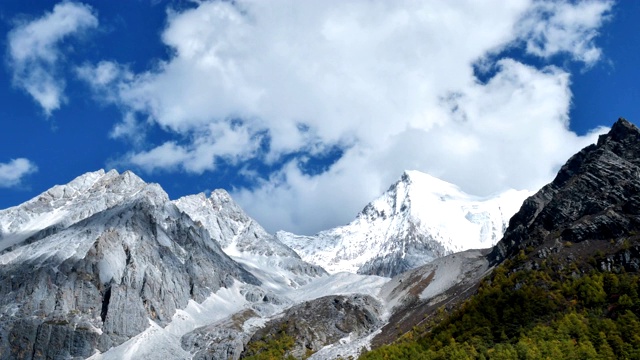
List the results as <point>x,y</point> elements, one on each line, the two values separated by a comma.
<point>534,314</point>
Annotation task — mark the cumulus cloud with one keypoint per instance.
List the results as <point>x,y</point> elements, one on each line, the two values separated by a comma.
<point>226,140</point>
<point>391,84</point>
<point>34,54</point>
<point>553,27</point>
<point>11,173</point>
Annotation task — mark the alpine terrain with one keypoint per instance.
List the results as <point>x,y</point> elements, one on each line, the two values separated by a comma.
<point>108,267</point>
<point>564,280</point>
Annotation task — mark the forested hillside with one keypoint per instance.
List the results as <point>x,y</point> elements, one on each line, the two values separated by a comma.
<point>532,314</point>
<point>565,285</point>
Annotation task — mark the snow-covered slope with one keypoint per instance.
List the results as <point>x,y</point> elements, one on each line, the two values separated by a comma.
<point>418,219</point>
<point>64,205</point>
<point>242,238</point>
<point>91,263</point>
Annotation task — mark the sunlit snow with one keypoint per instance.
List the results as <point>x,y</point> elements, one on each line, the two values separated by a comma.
<point>417,205</point>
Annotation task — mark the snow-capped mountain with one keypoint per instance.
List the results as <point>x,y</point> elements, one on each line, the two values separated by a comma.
<point>108,267</point>
<point>247,242</point>
<point>64,205</point>
<point>88,265</point>
<point>418,219</point>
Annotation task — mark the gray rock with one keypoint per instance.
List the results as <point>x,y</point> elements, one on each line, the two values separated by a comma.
<point>222,340</point>
<point>231,227</point>
<point>416,249</point>
<point>96,283</point>
<point>320,322</point>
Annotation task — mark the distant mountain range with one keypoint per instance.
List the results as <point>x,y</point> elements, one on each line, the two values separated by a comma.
<point>108,267</point>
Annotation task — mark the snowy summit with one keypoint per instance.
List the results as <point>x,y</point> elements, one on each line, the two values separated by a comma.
<point>418,219</point>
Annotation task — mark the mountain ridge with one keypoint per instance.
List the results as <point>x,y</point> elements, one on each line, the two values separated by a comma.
<point>100,273</point>
<point>132,273</point>
<point>607,171</point>
<point>63,205</point>
<point>248,243</point>
<point>418,219</point>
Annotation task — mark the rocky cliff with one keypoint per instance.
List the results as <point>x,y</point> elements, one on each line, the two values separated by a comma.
<point>310,326</point>
<point>248,243</point>
<point>595,198</point>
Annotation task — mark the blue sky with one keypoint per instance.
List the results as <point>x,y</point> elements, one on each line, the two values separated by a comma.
<point>305,111</point>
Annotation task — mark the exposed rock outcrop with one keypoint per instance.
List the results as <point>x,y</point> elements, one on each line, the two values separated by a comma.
<point>246,241</point>
<point>320,322</point>
<point>594,197</point>
<point>222,340</point>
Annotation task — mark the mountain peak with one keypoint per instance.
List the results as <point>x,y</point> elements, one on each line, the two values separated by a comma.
<point>423,183</point>
<point>593,197</point>
<point>63,205</point>
<point>129,177</point>
<point>99,180</point>
<point>221,196</point>
<point>621,139</point>
<point>419,218</point>
<point>222,201</point>
<point>620,130</point>
<point>87,180</point>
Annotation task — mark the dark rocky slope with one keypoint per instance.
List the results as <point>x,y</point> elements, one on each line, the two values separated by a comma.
<point>593,203</point>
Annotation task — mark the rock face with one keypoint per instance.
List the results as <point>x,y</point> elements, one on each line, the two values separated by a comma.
<point>595,196</point>
<point>230,226</point>
<point>64,205</point>
<point>93,274</point>
<point>415,295</point>
<point>247,242</point>
<point>320,322</point>
<point>222,340</point>
<point>420,218</point>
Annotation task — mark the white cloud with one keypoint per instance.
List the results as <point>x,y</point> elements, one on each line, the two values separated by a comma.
<point>227,140</point>
<point>130,128</point>
<point>552,27</point>
<point>34,55</point>
<point>103,75</point>
<point>166,156</point>
<point>390,83</point>
<point>11,173</point>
